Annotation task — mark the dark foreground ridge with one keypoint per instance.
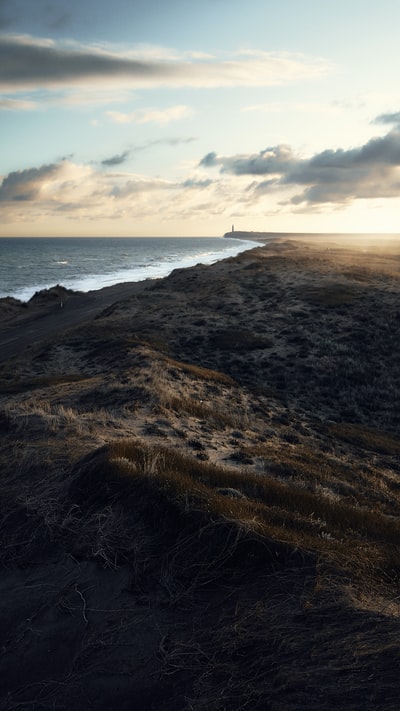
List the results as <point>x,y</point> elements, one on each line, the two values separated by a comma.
<point>200,489</point>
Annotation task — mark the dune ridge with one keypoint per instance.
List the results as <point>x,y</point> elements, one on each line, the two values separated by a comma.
<point>200,488</point>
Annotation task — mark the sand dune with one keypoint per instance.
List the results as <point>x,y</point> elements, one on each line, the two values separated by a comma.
<point>200,487</point>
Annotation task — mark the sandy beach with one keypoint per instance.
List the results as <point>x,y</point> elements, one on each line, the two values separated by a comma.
<point>200,486</point>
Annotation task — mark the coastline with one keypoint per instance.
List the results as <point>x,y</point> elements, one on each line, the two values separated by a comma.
<point>58,308</point>
<point>199,485</point>
<point>355,239</point>
<point>28,266</point>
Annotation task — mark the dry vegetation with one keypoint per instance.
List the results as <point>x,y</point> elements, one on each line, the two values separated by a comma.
<point>200,493</point>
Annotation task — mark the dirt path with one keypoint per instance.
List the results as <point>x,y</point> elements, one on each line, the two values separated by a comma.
<point>44,321</point>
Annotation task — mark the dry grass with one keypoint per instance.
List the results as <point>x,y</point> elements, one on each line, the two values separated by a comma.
<point>200,496</point>
<point>368,438</point>
<point>22,386</point>
<point>260,504</point>
<point>199,372</point>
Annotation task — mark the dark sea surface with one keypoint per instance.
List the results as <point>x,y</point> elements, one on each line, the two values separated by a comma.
<point>31,264</point>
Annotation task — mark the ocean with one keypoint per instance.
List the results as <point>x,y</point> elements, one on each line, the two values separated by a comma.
<point>31,264</point>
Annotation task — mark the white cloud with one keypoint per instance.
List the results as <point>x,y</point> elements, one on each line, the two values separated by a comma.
<point>274,107</point>
<point>17,105</point>
<point>149,115</point>
<point>68,191</point>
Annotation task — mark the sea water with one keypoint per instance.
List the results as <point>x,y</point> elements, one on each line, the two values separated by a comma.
<point>28,265</point>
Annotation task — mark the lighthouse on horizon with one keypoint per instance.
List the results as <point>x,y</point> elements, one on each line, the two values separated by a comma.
<point>233,228</point>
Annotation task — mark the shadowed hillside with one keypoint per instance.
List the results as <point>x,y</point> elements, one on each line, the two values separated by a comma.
<point>200,492</point>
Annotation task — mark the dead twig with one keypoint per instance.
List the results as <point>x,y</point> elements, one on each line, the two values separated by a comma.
<point>83,602</point>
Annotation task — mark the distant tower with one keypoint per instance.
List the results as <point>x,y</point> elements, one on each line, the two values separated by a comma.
<point>233,228</point>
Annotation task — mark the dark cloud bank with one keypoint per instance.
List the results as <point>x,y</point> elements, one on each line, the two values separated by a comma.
<point>22,185</point>
<point>116,160</point>
<point>121,158</point>
<point>29,62</point>
<point>332,176</point>
<point>24,62</point>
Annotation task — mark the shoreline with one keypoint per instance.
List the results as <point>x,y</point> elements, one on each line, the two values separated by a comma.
<point>56,309</point>
<point>253,238</point>
<point>321,236</point>
<point>133,264</point>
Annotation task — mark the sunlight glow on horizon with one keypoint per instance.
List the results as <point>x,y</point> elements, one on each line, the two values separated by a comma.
<point>128,121</point>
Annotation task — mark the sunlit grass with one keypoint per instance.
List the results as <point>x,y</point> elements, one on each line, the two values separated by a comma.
<point>178,486</point>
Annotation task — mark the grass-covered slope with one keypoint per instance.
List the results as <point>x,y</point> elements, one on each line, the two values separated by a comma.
<point>200,494</point>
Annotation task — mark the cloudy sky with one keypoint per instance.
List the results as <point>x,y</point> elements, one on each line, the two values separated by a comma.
<point>169,117</point>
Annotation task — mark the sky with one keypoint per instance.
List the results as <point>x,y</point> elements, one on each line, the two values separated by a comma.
<point>164,117</point>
